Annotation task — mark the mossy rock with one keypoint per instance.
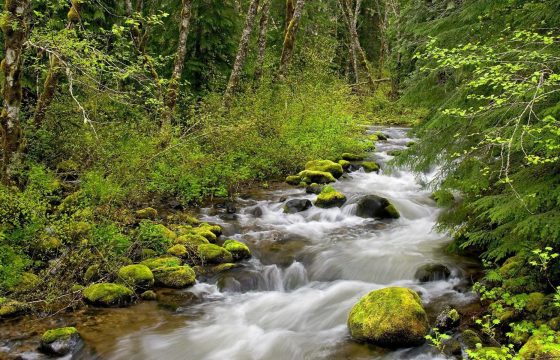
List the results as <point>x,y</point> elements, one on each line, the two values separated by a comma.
<point>491,353</point>
<point>381,136</point>
<point>215,229</point>
<point>352,157</point>
<point>224,267</point>
<point>470,339</point>
<point>512,267</point>
<point>345,164</point>
<point>443,198</point>
<point>392,317</point>
<point>206,233</point>
<point>183,230</point>
<point>108,294</point>
<point>176,277</point>
<point>448,319</point>
<point>93,273</point>
<point>540,346</point>
<point>238,250</point>
<point>293,180</point>
<point>178,250</point>
<point>11,308</point>
<point>373,206</point>
<point>147,213</point>
<point>314,188</point>
<point>214,254</point>
<point>80,229</point>
<point>166,234</point>
<point>48,244</point>
<point>331,167</point>
<point>61,341</point>
<point>329,198</point>
<point>318,177</point>
<point>373,137</point>
<point>67,166</point>
<point>136,276</point>
<point>148,295</point>
<point>77,288</point>
<point>167,261</point>
<point>148,253</point>
<point>370,166</point>
<point>27,282</point>
<point>191,241</point>
<point>535,302</point>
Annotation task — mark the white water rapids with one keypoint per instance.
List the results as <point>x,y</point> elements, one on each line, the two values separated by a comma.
<point>292,299</point>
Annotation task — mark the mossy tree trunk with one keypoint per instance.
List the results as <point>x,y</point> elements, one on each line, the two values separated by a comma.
<point>241,51</point>
<point>263,30</point>
<point>15,27</point>
<point>290,7</point>
<point>290,39</point>
<point>51,81</point>
<point>179,64</point>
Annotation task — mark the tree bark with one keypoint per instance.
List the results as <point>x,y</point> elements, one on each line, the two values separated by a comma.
<point>15,28</point>
<point>51,81</point>
<point>290,6</point>
<point>263,29</point>
<point>173,88</point>
<point>290,38</point>
<point>241,51</point>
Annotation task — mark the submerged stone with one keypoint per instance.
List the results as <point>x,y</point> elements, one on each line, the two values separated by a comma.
<point>392,317</point>
<point>297,205</point>
<point>373,206</point>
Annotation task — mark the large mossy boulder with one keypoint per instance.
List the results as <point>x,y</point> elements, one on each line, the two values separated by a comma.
<point>61,341</point>
<point>214,254</point>
<point>108,294</point>
<point>176,277</point>
<point>317,177</point>
<point>238,250</point>
<point>373,206</point>
<point>136,276</point>
<point>161,262</point>
<point>542,347</point>
<point>329,198</point>
<point>331,167</point>
<point>392,317</point>
<point>296,205</point>
<point>215,229</point>
<point>178,250</point>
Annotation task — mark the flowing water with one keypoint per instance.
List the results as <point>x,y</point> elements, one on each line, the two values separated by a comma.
<point>291,300</point>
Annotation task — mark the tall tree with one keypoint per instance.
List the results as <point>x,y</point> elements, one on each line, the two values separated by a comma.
<point>242,50</point>
<point>51,81</point>
<point>15,27</point>
<point>179,64</point>
<point>263,29</point>
<point>290,38</point>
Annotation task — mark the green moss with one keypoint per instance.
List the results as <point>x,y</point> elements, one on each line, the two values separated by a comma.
<point>165,232</point>
<point>237,249</point>
<point>329,198</point>
<point>370,166</point>
<point>178,250</point>
<point>373,137</point>
<point>293,180</point>
<point>206,233</point>
<point>136,276</point>
<point>77,288</point>
<point>176,277</point>
<point>491,353</point>
<point>392,211</point>
<point>148,253</point>
<point>191,240</point>
<point>380,136</point>
<point>453,314</point>
<point>325,166</point>
<point>345,164</point>
<point>470,339</point>
<point>319,177</point>
<point>352,157</point>
<point>147,213</point>
<point>183,229</point>
<point>27,282</point>
<point>11,308</point>
<point>210,253</point>
<point>542,347</point>
<point>81,229</point>
<point>148,295</point>
<point>161,262</point>
<point>224,267</point>
<point>215,229</point>
<point>535,301</point>
<point>48,244</point>
<point>389,317</point>
<point>53,335</point>
<point>107,294</point>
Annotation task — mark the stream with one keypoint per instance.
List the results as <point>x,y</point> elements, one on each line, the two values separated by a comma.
<point>292,298</point>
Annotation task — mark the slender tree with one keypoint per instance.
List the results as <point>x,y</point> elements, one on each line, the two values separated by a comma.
<point>53,74</point>
<point>290,7</point>
<point>179,64</point>
<point>15,27</point>
<point>242,50</point>
<point>263,29</point>
<point>290,38</point>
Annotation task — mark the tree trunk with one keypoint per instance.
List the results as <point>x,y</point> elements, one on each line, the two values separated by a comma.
<point>51,81</point>
<point>263,29</point>
<point>290,38</point>
<point>15,28</point>
<point>290,6</point>
<point>171,97</point>
<point>241,51</point>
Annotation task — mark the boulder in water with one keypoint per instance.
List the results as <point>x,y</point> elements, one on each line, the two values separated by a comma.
<point>448,319</point>
<point>345,164</point>
<point>331,167</point>
<point>297,205</point>
<point>238,250</point>
<point>432,272</point>
<point>136,276</point>
<point>314,189</point>
<point>373,206</point>
<point>318,177</point>
<point>370,166</point>
<point>381,136</point>
<point>176,277</point>
<point>214,254</point>
<point>329,198</point>
<point>257,211</point>
<point>108,294</point>
<point>61,342</point>
<point>392,317</point>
